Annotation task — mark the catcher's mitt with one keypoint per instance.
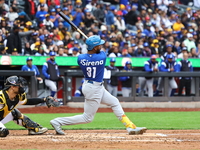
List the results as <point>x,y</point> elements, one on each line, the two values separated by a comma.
<point>50,101</point>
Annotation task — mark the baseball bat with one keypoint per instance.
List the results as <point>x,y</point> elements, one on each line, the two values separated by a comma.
<point>72,24</point>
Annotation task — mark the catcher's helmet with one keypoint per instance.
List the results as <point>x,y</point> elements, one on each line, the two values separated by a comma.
<point>16,81</point>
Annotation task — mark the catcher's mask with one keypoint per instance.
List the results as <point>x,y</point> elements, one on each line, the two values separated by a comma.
<point>16,81</point>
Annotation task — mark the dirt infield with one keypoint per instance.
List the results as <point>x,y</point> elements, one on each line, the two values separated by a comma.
<point>102,139</point>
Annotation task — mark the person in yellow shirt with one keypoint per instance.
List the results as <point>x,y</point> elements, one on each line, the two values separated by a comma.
<point>178,25</point>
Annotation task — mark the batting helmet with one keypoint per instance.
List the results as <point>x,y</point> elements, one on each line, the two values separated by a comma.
<point>93,41</point>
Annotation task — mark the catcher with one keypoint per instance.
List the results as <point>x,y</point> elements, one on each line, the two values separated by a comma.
<point>14,94</point>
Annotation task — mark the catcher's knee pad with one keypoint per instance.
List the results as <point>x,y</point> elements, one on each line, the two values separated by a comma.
<point>3,132</point>
<point>26,121</point>
<point>16,114</point>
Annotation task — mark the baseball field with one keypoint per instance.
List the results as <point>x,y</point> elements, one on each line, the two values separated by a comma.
<point>167,129</point>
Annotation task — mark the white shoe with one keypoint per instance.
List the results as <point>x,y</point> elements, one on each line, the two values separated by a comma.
<point>41,130</point>
<point>137,130</point>
<point>57,127</point>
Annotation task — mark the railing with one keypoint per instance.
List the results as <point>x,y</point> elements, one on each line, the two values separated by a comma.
<point>29,74</point>
<point>68,74</point>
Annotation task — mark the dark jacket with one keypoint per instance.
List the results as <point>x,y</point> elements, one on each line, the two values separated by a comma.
<point>14,43</point>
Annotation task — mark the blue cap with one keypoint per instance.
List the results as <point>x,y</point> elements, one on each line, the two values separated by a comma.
<point>22,13</point>
<point>184,48</point>
<point>53,10</point>
<point>76,49</point>
<point>87,10</point>
<point>169,56</point>
<point>174,32</point>
<point>75,42</point>
<point>169,45</point>
<point>112,60</point>
<point>93,41</point>
<point>65,8</point>
<point>128,62</point>
<point>112,7</point>
<point>145,44</point>
<point>52,54</point>
<point>58,6</point>
<point>133,45</point>
<point>194,33</point>
<point>126,35</point>
<point>35,33</point>
<point>29,58</point>
<point>133,34</point>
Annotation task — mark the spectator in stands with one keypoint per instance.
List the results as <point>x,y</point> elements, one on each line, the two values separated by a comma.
<point>89,18</point>
<point>61,52</point>
<point>40,51</point>
<point>51,73</point>
<point>184,50</point>
<point>162,4</point>
<point>67,14</point>
<point>149,66</point>
<point>30,8</point>
<point>78,15</point>
<point>54,17</point>
<point>185,65</point>
<point>169,48</point>
<point>30,67</point>
<point>193,53</point>
<point>126,80</point>
<point>125,53</point>
<point>48,23</point>
<point>112,83</point>
<point>146,50</point>
<point>120,23</point>
<point>169,66</point>
<point>114,51</point>
<point>110,16</point>
<point>178,25</point>
<point>75,51</point>
<point>99,13</point>
<point>14,42</point>
<point>189,42</point>
<point>12,15</point>
<point>40,15</point>
<point>155,48</point>
<point>131,19</point>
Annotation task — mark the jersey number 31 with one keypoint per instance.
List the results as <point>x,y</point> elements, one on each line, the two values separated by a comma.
<point>91,72</point>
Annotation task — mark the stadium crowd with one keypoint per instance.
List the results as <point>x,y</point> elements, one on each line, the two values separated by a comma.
<point>131,28</point>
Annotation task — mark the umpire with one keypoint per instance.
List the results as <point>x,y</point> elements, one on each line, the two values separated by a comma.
<point>185,65</point>
<point>113,82</point>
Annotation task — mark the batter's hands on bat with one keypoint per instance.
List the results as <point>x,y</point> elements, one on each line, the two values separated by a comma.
<point>51,102</point>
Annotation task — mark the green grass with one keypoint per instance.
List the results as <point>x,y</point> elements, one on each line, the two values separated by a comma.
<point>151,120</point>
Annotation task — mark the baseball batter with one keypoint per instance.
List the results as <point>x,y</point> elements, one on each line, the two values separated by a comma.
<point>92,65</point>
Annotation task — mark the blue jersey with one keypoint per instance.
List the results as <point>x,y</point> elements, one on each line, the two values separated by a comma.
<point>92,66</point>
<point>33,68</point>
